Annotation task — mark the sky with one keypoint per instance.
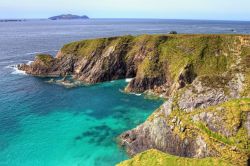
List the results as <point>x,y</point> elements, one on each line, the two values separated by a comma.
<point>163,9</point>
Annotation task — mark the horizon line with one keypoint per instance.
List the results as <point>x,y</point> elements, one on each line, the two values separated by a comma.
<point>188,19</point>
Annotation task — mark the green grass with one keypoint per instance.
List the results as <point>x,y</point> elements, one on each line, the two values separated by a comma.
<point>246,67</point>
<point>156,158</point>
<point>215,135</point>
<point>85,48</point>
<point>207,53</point>
<point>93,47</point>
<point>45,58</point>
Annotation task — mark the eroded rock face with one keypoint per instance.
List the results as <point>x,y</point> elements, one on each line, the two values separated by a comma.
<point>104,64</point>
<point>214,121</point>
<point>200,96</point>
<point>157,134</point>
<point>45,67</point>
<point>187,76</point>
<point>143,84</point>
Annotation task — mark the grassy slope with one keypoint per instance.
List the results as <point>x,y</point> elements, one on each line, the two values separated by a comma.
<point>156,158</point>
<point>45,58</point>
<point>199,50</point>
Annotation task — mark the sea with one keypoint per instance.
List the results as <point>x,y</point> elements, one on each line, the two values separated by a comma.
<point>45,124</point>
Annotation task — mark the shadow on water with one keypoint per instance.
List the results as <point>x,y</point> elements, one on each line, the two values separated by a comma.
<point>99,135</point>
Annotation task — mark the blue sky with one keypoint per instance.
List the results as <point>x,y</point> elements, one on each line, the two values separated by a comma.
<point>169,9</point>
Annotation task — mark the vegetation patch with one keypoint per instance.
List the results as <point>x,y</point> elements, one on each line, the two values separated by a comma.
<point>45,58</point>
<point>156,158</point>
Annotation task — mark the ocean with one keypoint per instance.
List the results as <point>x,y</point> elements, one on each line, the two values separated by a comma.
<point>46,124</point>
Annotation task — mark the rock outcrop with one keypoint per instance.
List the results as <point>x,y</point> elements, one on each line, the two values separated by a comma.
<point>204,78</point>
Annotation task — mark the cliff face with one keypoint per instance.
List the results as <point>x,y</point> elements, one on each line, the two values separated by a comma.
<point>205,79</point>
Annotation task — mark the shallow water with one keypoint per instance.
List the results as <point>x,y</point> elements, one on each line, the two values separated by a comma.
<point>46,124</point>
<point>52,125</point>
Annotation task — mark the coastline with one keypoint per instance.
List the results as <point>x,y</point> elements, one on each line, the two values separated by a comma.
<point>199,89</point>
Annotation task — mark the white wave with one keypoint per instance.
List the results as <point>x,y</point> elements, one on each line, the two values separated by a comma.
<point>50,81</point>
<point>137,94</point>
<point>129,79</point>
<point>132,93</point>
<point>15,70</point>
<point>19,72</point>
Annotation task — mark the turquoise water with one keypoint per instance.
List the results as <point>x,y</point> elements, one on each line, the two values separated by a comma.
<point>50,125</point>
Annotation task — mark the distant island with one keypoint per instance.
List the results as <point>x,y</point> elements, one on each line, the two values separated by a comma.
<point>68,17</point>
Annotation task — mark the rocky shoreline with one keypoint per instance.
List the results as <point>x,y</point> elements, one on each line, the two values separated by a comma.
<point>204,78</point>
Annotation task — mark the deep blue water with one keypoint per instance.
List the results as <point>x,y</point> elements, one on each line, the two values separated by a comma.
<point>46,124</point>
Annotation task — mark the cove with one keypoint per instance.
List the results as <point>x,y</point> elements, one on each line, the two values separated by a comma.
<point>52,125</point>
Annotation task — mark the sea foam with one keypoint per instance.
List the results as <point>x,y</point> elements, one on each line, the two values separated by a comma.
<point>16,70</point>
<point>129,79</point>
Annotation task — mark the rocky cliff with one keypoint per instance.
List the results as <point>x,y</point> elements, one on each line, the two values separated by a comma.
<point>204,78</point>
